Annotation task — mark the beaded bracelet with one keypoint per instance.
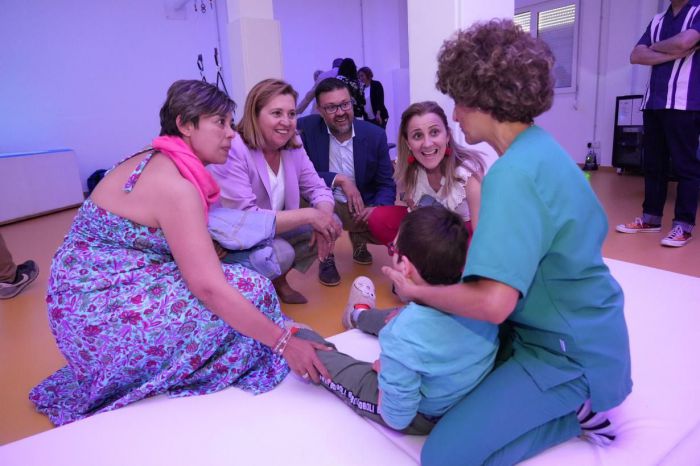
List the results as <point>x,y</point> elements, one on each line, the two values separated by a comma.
<point>283,340</point>
<point>281,344</point>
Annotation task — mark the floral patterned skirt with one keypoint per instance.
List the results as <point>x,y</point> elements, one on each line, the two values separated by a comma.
<point>149,335</point>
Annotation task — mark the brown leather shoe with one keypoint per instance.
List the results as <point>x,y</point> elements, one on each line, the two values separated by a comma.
<point>286,293</point>
<point>361,255</point>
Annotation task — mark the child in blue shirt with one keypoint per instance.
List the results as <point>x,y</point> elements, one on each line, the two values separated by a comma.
<point>429,359</point>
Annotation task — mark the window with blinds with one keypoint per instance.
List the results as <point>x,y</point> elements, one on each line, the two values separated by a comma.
<point>523,20</point>
<point>555,22</point>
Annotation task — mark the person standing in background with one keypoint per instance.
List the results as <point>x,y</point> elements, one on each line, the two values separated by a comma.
<point>318,77</point>
<point>347,72</point>
<point>373,92</point>
<point>671,108</point>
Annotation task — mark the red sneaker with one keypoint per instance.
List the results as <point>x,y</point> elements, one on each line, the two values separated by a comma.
<point>638,227</point>
<point>677,237</point>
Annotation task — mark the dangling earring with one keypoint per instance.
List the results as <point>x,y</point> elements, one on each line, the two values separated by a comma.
<point>410,159</point>
<point>448,151</point>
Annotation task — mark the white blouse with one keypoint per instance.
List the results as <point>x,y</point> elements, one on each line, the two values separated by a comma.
<point>455,200</point>
<point>276,187</point>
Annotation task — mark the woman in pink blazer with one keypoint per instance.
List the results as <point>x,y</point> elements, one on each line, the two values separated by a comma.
<point>268,169</point>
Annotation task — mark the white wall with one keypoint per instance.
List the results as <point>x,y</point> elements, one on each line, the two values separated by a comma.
<point>608,30</point>
<point>251,28</point>
<point>618,76</point>
<point>386,53</point>
<point>429,25</point>
<point>371,32</point>
<point>314,33</point>
<point>92,75</point>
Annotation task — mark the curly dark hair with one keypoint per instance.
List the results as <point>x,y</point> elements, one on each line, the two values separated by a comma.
<point>498,68</point>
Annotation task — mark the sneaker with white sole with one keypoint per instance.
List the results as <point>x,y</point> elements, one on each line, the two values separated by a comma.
<point>362,293</point>
<point>638,226</point>
<point>26,273</point>
<point>677,237</point>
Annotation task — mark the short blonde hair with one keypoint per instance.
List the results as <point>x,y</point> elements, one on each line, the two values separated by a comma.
<point>406,173</point>
<point>258,97</point>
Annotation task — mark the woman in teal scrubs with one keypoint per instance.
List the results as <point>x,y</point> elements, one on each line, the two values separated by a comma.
<point>534,263</point>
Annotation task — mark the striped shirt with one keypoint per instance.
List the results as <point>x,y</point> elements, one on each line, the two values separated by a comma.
<point>674,84</point>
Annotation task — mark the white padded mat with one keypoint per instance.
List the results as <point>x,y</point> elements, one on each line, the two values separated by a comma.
<point>659,423</point>
<point>299,424</point>
<point>294,424</point>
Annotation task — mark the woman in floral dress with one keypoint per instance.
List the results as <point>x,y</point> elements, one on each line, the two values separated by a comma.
<point>138,301</point>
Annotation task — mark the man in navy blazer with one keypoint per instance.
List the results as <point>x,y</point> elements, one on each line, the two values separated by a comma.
<point>352,156</point>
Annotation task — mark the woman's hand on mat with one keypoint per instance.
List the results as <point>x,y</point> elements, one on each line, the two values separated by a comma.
<point>376,366</point>
<point>403,286</point>
<point>302,359</point>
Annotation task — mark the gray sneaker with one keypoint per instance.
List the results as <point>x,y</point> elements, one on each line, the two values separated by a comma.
<point>26,273</point>
<point>361,292</point>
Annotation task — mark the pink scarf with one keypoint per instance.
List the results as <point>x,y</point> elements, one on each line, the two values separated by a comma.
<point>190,167</point>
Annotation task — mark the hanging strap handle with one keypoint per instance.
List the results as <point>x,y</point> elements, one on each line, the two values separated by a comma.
<point>219,76</point>
<point>200,65</point>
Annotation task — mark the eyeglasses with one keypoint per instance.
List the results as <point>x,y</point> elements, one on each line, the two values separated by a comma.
<point>393,249</point>
<point>332,108</point>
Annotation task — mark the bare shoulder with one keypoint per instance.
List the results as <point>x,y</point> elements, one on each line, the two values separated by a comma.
<point>161,168</point>
<point>159,189</point>
<point>165,183</point>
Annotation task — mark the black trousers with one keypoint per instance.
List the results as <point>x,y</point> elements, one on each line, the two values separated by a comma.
<point>671,135</point>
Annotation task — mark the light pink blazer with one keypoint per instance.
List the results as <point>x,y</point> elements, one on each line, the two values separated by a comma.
<point>245,184</point>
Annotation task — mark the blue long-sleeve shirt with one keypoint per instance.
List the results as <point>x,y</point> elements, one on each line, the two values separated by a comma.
<point>430,360</point>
